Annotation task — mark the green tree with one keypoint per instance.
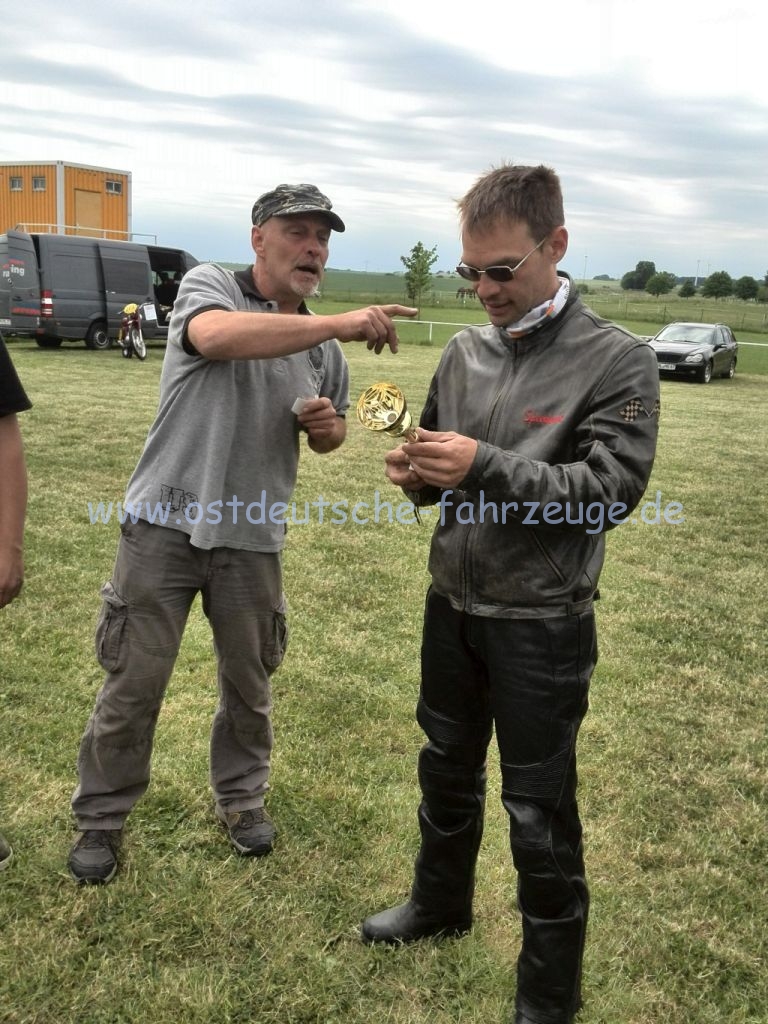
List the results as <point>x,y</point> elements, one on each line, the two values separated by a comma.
<point>637,279</point>
<point>660,283</point>
<point>717,285</point>
<point>629,281</point>
<point>418,271</point>
<point>645,270</point>
<point>746,288</point>
<point>686,290</point>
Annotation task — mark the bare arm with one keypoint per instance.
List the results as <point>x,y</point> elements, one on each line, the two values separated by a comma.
<point>235,334</point>
<point>326,431</point>
<point>13,506</point>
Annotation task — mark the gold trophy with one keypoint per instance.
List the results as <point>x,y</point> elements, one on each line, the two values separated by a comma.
<point>382,407</point>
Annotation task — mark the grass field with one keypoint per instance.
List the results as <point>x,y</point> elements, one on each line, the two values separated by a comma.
<point>435,325</point>
<point>349,287</point>
<point>673,762</point>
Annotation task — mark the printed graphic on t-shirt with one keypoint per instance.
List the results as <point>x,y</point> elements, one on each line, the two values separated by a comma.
<point>176,498</point>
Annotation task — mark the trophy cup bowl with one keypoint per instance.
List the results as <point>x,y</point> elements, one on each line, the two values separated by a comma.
<point>382,407</point>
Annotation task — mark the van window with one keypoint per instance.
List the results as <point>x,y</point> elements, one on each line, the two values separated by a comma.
<point>126,276</point>
<point>74,273</point>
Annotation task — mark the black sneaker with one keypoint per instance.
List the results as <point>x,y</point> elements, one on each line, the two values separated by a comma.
<point>93,858</point>
<point>251,832</point>
<point>6,853</point>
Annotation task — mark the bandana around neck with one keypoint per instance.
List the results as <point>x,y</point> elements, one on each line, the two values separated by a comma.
<point>540,314</point>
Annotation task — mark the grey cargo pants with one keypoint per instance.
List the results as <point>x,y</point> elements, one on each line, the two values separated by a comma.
<point>156,577</point>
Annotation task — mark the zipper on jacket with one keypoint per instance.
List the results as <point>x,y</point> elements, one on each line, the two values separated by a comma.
<point>465,550</point>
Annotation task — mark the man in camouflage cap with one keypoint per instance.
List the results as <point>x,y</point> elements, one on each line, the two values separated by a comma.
<point>247,374</point>
<point>286,200</point>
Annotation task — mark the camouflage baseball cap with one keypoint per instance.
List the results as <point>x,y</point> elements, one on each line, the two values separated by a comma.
<point>287,199</point>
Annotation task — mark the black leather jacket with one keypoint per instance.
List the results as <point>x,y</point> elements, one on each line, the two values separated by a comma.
<point>566,420</point>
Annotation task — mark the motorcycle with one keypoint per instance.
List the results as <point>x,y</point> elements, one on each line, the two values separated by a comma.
<point>130,337</point>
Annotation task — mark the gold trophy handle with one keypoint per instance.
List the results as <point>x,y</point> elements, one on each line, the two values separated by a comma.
<point>382,408</point>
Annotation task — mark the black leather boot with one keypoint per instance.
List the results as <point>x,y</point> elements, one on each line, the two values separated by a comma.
<point>451,824</point>
<point>553,898</point>
<point>410,922</point>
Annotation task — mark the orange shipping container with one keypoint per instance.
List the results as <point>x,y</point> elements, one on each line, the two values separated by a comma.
<point>64,198</point>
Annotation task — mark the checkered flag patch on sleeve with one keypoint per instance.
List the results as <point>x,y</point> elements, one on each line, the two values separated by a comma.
<point>634,407</point>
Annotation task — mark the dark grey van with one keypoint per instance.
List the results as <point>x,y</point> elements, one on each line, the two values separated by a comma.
<point>58,288</point>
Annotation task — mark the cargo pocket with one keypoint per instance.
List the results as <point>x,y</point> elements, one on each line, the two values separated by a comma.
<point>276,642</point>
<point>110,629</point>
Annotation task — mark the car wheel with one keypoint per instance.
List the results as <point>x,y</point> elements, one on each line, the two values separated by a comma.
<point>98,337</point>
<point>731,371</point>
<point>705,373</point>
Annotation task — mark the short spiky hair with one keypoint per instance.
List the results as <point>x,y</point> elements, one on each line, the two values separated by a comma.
<point>514,193</point>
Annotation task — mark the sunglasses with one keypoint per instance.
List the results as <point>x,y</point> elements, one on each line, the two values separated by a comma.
<point>501,273</point>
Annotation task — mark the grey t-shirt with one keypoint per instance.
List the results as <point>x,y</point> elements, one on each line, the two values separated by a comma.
<point>223,451</point>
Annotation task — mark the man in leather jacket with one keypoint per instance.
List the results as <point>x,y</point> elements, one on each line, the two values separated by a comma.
<point>538,434</point>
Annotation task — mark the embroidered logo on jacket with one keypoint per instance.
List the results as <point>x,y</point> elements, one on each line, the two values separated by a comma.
<point>634,407</point>
<point>529,417</point>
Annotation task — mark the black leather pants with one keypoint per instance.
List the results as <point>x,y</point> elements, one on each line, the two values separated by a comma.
<point>452,778</point>
<point>529,678</point>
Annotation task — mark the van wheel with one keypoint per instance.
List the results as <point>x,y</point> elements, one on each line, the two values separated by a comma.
<point>98,337</point>
<point>48,342</point>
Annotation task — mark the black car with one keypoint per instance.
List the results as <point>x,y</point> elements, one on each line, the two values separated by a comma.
<point>701,351</point>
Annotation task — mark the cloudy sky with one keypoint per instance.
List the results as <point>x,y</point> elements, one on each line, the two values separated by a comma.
<point>655,115</point>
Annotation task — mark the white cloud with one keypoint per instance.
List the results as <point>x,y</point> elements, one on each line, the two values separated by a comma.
<point>655,117</point>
